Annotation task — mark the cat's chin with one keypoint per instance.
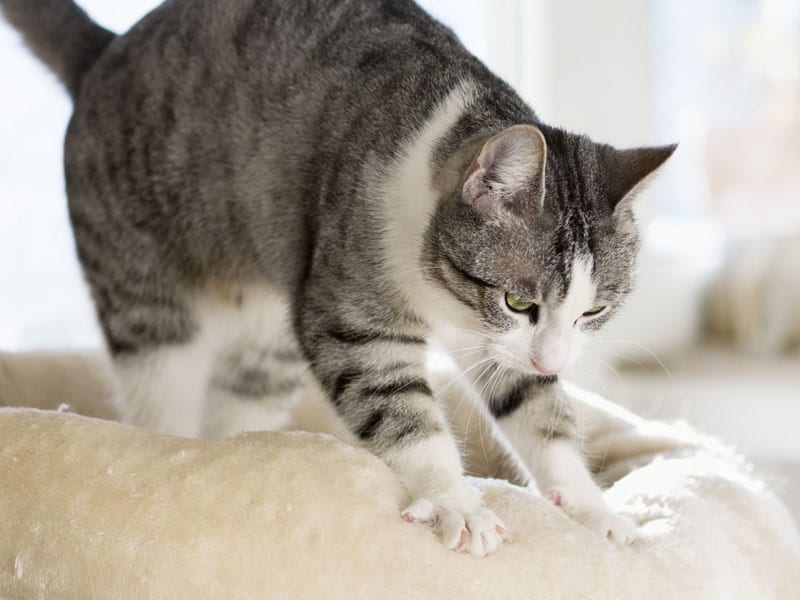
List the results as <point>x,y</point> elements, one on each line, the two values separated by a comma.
<point>541,373</point>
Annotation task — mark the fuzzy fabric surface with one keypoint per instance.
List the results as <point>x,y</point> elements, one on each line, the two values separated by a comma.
<point>97,509</point>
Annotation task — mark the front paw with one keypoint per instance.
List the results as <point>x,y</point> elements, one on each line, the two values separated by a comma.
<point>594,515</point>
<point>477,531</point>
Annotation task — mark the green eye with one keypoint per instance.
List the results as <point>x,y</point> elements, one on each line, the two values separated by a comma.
<point>516,303</point>
<point>594,311</point>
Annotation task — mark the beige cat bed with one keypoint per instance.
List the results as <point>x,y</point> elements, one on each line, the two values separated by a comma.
<point>96,509</point>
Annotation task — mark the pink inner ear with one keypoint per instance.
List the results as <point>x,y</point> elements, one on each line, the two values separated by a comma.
<point>508,165</point>
<point>476,190</point>
<point>477,186</point>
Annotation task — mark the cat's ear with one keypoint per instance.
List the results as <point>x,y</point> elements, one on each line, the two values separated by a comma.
<point>508,170</point>
<point>626,171</point>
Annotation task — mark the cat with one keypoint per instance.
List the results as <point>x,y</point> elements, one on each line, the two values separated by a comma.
<point>262,191</point>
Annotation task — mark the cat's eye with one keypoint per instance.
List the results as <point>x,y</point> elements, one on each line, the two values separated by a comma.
<point>594,311</point>
<point>517,304</point>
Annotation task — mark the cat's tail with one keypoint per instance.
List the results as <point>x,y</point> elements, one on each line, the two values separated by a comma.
<point>60,34</point>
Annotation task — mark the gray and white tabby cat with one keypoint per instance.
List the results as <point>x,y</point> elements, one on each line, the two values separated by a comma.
<point>261,189</point>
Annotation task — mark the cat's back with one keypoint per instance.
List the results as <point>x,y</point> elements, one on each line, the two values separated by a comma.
<point>196,71</point>
<point>203,82</point>
<point>206,118</point>
<point>202,46</point>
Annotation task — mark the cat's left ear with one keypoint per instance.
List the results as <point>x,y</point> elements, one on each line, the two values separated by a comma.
<point>508,171</point>
<point>626,171</point>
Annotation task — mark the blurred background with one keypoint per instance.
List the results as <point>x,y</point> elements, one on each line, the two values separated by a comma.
<point>712,333</point>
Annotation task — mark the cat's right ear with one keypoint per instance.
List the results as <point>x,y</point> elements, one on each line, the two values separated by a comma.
<point>627,171</point>
<point>508,172</point>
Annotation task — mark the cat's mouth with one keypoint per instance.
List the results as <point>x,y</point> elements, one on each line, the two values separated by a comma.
<point>528,363</point>
<point>511,360</point>
<point>545,368</point>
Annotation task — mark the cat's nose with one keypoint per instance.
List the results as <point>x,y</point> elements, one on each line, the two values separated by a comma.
<point>551,355</point>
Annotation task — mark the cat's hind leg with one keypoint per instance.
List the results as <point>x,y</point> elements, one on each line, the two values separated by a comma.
<point>163,389</point>
<point>234,367</point>
<point>148,311</point>
<point>161,357</point>
<point>254,388</point>
<point>259,373</point>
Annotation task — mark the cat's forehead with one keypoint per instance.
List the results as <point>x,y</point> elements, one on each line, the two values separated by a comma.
<point>569,155</point>
<point>542,266</point>
<point>572,191</point>
<point>577,289</point>
<point>555,281</point>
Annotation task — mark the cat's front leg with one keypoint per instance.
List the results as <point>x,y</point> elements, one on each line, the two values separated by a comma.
<point>441,497</point>
<point>536,415</point>
<point>376,382</point>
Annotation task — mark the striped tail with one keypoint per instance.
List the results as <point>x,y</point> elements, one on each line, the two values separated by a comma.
<point>60,34</point>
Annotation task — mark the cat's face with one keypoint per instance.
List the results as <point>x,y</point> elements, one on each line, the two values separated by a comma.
<point>539,243</point>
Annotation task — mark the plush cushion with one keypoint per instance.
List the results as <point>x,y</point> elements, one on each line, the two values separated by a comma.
<point>94,508</point>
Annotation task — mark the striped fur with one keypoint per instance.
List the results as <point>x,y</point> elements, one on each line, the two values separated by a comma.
<point>263,189</point>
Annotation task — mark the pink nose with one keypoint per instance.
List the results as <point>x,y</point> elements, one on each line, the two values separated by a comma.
<point>546,369</point>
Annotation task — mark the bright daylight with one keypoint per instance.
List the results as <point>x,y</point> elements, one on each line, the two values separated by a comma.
<point>400,299</point>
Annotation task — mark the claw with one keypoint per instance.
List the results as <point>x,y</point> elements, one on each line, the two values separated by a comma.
<point>503,533</point>
<point>478,532</point>
<point>555,498</point>
<point>461,541</point>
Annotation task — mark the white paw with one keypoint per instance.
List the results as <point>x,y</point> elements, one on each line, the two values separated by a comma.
<point>596,517</point>
<point>478,532</point>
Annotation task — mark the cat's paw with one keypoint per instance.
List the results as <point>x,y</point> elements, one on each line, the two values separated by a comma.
<point>478,532</point>
<point>595,516</point>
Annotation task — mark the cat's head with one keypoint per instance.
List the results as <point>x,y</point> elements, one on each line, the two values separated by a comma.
<point>538,241</point>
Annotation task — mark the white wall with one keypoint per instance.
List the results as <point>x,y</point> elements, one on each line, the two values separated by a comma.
<point>600,69</point>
